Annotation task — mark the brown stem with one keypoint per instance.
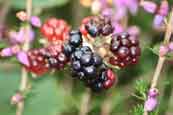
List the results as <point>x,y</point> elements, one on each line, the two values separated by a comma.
<point>107,106</point>
<point>4,11</point>
<point>85,103</point>
<point>161,59</point>
<point>24,74</point>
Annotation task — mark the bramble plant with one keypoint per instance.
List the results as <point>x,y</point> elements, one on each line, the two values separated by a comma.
<point>107,52</point>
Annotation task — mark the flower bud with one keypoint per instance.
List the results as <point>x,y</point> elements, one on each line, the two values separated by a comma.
<point>15,99</point>
<point>35,21</point>
<point>153,92</point>
<point>163,50</point>
<point>21,15</point>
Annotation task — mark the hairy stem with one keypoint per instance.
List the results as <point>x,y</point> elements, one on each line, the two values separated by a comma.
<point>24,74</point>
<point>161,59</point>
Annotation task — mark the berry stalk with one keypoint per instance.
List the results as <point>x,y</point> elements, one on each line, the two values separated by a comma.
<point>24,74</point>
<point>161,59</point>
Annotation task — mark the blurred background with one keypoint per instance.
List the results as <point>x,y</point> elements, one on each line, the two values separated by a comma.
<point>58,94</point>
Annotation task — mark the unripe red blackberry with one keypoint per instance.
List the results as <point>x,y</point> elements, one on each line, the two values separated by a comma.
<point>55,30</point>
<point>125,49</point>
<point>43,59</point>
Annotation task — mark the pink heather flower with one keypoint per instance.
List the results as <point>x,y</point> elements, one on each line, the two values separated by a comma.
<point>6,52</point>
<point>35,21</point>
<point>107,12</point>
<point>170,46</point>
<point>164,8</point>
<point>123,6</point>
<point>19,37</point>
<point>163,50</point>
<point>150,104</point>
<point>158,21</point>
<point>133,30</point>
<point>117,27</point>
<point>10,51</point>
<point>15,99</point>
<point>149,6</point>
<point>153,92</point>
<point>23,58</point>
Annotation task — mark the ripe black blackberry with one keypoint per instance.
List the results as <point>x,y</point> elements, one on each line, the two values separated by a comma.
<point>125,49</point>
<point>89,68</point>
<point>99,25</point>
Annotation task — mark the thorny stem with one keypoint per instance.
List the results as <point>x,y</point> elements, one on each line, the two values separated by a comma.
<point>24,74</point>
<point>161,59</point>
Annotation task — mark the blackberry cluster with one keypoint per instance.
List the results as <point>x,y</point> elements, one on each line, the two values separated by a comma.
<point>125,49</point>
<point>43,59</point>
<point>86,65</point>
<point>97,26</point>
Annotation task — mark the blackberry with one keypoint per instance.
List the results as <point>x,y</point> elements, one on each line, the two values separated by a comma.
<point>55,30</point>
<point>125,49</point>
<point>89,68</point>
<point>96,26</point>
<point>43,59</point>
<point>75,38</point>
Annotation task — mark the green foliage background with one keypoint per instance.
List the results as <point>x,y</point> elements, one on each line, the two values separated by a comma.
<point>59,94</point>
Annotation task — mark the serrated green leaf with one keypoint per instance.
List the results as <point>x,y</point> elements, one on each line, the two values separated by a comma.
<point>20,4</point>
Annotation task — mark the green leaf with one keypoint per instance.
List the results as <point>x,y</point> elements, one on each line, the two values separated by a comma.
<point>20,4</point>
<point>46,98</point>
<point>138,110</point>
<point>156,48</point>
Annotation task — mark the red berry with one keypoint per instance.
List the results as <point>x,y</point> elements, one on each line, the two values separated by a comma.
<point>110,75</point>
<point>125,49</point>
<point>43,59</point>
<point>107,84</point>
<point>38,64</point>
<point>55,30</point>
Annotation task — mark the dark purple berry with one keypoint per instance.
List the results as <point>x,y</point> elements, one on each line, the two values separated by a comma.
<point>86,59</point>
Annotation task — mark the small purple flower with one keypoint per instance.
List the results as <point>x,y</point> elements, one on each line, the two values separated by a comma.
<point>149,6</point>
<point>6,52</point>
<point>35,21</point>
<point>107,12</point>
<point>170,46</point>
<point>15,99</point>
<point>122,7</point>
<point>164,8</point>
<point>117,27</point>
<point>163,50</point>
<point>158,21</point>
<point>19,37</point>
<point>23,58</point>
<point>150,104</point>
<point>133,30</point>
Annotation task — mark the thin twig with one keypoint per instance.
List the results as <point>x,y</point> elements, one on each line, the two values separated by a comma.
<point>161,59</point>
<point>85,103</point>
<point>24,74</point>
<point>4,10</point>
<point>106,107</point>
